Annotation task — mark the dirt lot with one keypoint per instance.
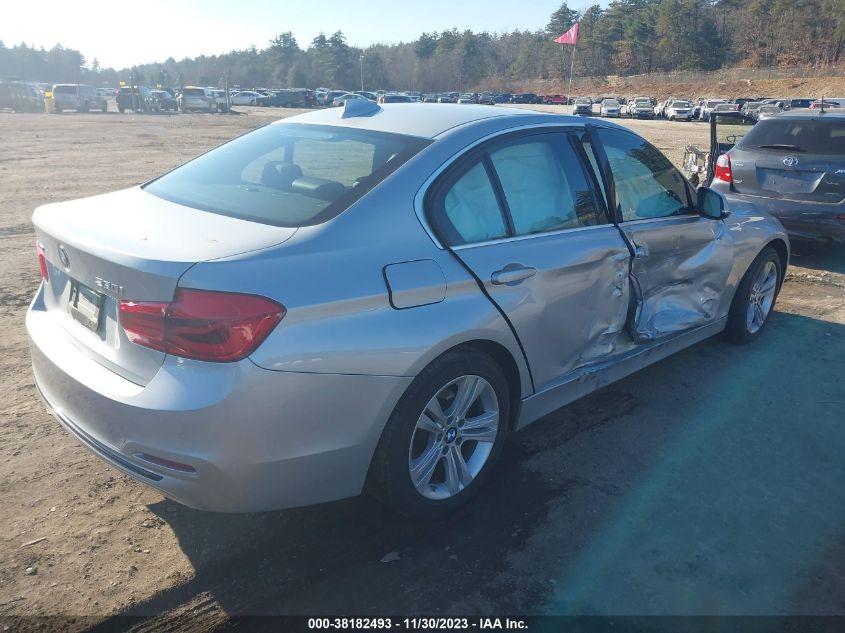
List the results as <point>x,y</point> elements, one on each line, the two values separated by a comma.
<point>712,482</point>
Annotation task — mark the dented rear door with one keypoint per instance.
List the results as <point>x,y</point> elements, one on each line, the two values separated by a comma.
<point>681,260</point>
<point>522,216</point>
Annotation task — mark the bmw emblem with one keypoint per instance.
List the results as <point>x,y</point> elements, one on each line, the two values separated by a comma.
<point>63,256</point>
<point>790,161</point>
<point>451,434</point>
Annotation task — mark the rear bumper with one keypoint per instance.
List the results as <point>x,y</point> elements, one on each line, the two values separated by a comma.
<point>255,439</point>
<point>802,220</point>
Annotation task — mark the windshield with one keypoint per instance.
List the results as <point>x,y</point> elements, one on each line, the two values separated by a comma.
<point>582,101</point>
<point>194,92</point>
<point>798,135</point>
<point>610,102</point>
<point>287,174</point>
<point>642,102</point>
<point>681,104</point>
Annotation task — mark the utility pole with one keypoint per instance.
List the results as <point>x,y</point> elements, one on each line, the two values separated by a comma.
<point>362,71</point>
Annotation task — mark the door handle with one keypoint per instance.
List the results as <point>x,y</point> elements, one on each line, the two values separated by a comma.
<point>512,274</point>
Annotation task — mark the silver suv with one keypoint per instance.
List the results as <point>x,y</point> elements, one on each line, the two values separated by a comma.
<point>79,97</point>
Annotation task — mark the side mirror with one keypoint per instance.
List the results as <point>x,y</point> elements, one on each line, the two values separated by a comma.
<point>710,204</point>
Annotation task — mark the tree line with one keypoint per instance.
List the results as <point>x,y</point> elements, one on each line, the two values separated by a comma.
<point>626,37</point>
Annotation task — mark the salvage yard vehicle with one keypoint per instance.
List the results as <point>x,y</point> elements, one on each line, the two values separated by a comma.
<point>610,108</point>
<point>767,112</point>
<point>79,97</point>
<point>136,98</point>
<point>20,96</point>
<point>641,108</point>
<point>583,105</point>
<point>374,297</point>
<point>195,98</point>
<point>708,106</point>
<point>349,96</point>
<point>679,111</point>
<point>555,99</point>
<point>246,97</point>
<point>162,100</point>
<point>394,98</point>
<point>793,166</point>
<point>750,108</point>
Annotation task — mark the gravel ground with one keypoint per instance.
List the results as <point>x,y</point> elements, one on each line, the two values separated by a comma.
<point>712,482</point>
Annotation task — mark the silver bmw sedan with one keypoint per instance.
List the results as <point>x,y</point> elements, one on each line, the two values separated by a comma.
<point>371,298</point>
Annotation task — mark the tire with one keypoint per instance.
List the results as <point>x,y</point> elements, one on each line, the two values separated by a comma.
<point>741,328</point>
<point>121,109</point>
<point>105,108</point>
<point>403,441</point>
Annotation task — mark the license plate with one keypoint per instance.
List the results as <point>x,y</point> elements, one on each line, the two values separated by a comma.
<point>85,305</point>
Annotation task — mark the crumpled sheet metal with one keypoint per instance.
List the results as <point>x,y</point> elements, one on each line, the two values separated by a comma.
<point>681,293</point>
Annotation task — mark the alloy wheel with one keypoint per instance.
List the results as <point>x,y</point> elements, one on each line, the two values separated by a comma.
<point>762,297</point>
<point>453,437</point>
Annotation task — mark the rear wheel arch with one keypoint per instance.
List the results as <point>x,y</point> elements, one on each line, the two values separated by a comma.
<point>505,360</point>
<point>783,254</point>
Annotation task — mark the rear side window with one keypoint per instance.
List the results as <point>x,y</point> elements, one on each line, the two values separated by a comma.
<point>814,136</point>
<point>647,185</point>
<point>287,174</point>
<point>472,209</point>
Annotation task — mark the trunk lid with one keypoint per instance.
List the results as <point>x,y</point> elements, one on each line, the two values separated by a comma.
<point>129,245</point>
<point>788,175</point>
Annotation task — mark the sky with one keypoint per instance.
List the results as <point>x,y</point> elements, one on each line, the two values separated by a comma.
<point>119,33</point>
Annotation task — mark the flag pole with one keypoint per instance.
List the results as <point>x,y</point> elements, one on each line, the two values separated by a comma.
<point>572,64</point>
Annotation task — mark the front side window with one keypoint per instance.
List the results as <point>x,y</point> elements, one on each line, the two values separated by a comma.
<point>287,174</point>
<point>647,185</point>
<point>543,192</point>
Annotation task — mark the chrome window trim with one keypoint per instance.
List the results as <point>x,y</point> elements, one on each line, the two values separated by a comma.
<point>419,198</point>
<point>529,236</point>
<point>684,216</point>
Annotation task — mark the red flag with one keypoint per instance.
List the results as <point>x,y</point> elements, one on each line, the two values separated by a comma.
<point>570,37</point>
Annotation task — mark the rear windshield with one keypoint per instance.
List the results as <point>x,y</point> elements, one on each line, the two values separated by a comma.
<point>813,136</point>
<point>64,90</point>
<point>193,92</point>
<point>287,174</point>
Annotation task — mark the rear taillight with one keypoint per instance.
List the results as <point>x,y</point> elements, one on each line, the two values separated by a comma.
<point>202,324</point>
<point>723,169</point>
<point>42,261</point>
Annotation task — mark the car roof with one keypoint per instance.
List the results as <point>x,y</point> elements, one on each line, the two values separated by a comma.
<point>814,113</point>
<point>412,119</point>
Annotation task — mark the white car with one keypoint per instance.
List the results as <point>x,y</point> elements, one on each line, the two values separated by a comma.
<point>679,111</point>
<point>708,106</point>
<point>610,108</point>
<point>246,97</point>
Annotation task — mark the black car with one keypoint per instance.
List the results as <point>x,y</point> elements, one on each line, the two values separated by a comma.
<point>525,97</point>
<point>583,105</point>
<point>292,98</point>
<point>135,98</point>
<point>162,100</point>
